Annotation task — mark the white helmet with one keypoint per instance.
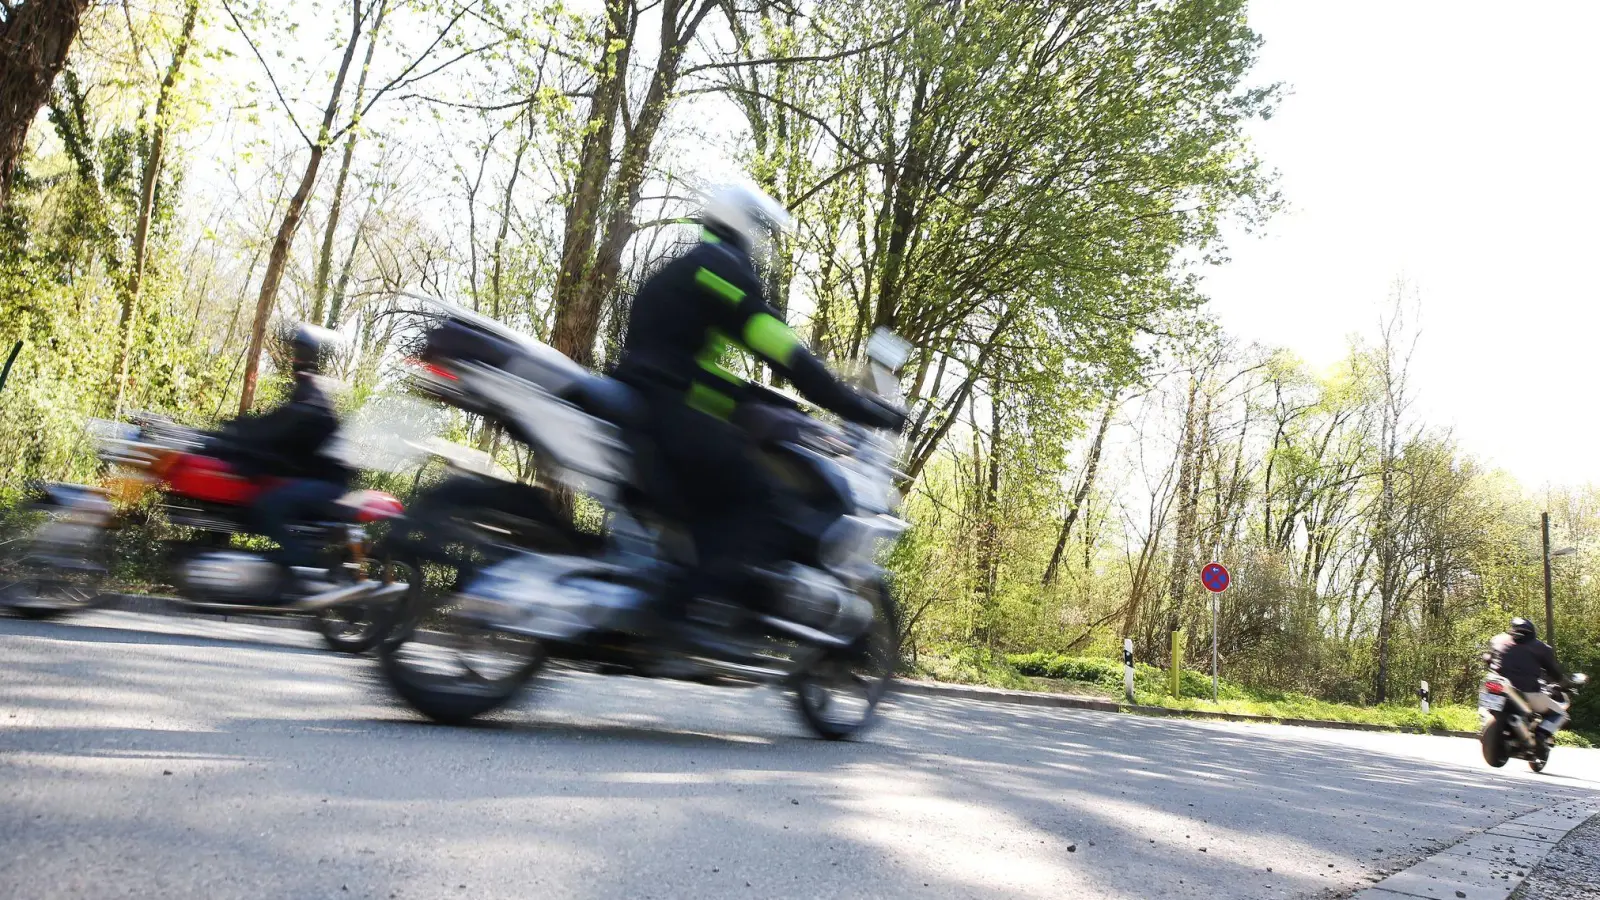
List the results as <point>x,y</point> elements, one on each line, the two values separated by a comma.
<point>747,213</point>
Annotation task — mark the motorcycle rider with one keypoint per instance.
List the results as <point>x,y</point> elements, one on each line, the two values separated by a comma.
<point>1522,659</point>
<point>684,319</point>
<point>293,442</point>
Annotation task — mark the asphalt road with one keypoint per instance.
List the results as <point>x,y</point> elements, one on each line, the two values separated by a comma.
<point>151,757</point>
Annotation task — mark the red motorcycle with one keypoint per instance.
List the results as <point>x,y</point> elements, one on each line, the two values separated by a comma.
<point>65,560</point>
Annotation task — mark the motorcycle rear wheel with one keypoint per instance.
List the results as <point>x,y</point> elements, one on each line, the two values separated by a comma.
<point>42,597</point>
<point>838,692</point>
<point>1493,741</point>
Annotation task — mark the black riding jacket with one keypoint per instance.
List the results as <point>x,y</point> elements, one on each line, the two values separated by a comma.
<point>294,440</point>
<point>1526,663</point>
<point>687,315</point>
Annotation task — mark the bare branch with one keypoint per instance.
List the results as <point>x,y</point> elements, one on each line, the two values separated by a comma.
<point>287,109</point>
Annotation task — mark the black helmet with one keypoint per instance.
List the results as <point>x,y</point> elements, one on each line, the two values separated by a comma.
<point>1522,630</point>
<point>309,347</point>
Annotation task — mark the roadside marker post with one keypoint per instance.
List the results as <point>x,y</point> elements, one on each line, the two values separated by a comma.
<point>1424,694</point>
<point>1127,668</point>
<point>1176,686</point>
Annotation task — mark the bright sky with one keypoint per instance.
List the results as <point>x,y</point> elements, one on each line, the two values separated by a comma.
<point>1452,143</point>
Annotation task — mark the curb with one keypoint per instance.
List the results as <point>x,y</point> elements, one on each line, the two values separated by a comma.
<point>1072,701</point>
<point>151,604</point>
<point>1489,865</point>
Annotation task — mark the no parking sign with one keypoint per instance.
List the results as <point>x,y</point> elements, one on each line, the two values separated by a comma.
<point>1215,577</point>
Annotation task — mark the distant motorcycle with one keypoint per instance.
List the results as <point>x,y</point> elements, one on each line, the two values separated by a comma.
<point>62,564</point>
<point>1511,729</point>
<point>523,594</point>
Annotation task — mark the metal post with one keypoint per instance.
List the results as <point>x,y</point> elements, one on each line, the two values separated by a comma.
<point>1549,601</point>
<point>1176,687</point>
<point>1215,602</point>
<point>1127,668</point>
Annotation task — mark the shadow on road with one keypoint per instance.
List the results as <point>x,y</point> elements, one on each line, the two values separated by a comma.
<point>293,770</point>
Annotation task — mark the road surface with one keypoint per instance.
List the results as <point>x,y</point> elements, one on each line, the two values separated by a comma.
<point>169,757</point>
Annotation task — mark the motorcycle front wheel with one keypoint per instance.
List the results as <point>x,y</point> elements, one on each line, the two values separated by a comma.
<point>1541,756</point>
<point>453,670</point>
<point>838,691</point>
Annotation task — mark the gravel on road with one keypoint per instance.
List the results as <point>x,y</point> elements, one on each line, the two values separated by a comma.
<point>1569,872</point>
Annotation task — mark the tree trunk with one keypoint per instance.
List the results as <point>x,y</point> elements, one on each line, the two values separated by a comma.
<point>1183,540</point>
<point>989,544</point>
<point>340,287</point>
<point>497,264</point>
<point>577,309</point>
<point>147,202</point>
<point>34,41</point>
<point>291,220</point>
<point>589,276</point>
<point>1085,485</point>
<point>336,208</point>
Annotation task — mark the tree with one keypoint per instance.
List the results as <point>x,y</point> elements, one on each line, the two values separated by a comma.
<point>608,177</point>
<point>328,131</point>
<point>150,179</point>
<point>35,36</point>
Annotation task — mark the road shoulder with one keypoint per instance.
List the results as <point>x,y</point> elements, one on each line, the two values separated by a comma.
<point>1493,864</point>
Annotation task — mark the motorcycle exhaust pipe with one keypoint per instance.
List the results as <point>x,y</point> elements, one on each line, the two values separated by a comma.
<point>393,589</point>
<point>806,633</point>
<point>338,596</point>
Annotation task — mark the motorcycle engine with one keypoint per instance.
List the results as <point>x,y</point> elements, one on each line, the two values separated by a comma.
<point>815,598</point>
<point>231,576</point>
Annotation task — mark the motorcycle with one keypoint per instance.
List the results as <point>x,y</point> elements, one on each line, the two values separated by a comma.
<point>522,597</point>
<point>65,560</point>
<point>1511,729</point>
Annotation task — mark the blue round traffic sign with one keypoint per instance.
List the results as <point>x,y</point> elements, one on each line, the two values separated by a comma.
<point>1215,577</point>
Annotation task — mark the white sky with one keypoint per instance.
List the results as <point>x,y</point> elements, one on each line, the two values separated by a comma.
<point>1452,144</point>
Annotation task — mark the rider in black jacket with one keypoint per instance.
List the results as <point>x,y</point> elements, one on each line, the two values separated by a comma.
<point>1526,662</point>
<point>685,320</point>
<point>293,442</point>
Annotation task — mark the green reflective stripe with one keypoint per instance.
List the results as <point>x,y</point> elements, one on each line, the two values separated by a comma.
<point>771,338</point>
<point>710,357</point>
<point>718,285</point>
<point>710,401</point>
<point>709,236</point>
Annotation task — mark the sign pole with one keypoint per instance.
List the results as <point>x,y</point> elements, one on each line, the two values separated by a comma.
<point>1216,579</point>
<point>1214,599</point>
<point>1176,675</point>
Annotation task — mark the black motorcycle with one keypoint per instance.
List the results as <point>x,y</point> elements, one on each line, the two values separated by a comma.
<point>517,584</point>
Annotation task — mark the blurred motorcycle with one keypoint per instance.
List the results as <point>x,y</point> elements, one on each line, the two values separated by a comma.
<point>64,562</point>
<point>523,595</point>
<point>1511,729</point>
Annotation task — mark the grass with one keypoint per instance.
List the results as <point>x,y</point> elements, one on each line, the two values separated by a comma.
<point>1096,677</point>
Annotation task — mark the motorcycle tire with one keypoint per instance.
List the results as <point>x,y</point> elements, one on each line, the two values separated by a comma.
<point>1493,741</point>
<point>1541,756</point>
<point>43,599</point>
<point>357,629</point>
<point>466,691</point>
<point>865,668</point>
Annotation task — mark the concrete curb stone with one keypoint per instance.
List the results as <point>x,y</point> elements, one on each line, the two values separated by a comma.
<point>1071,701</point>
